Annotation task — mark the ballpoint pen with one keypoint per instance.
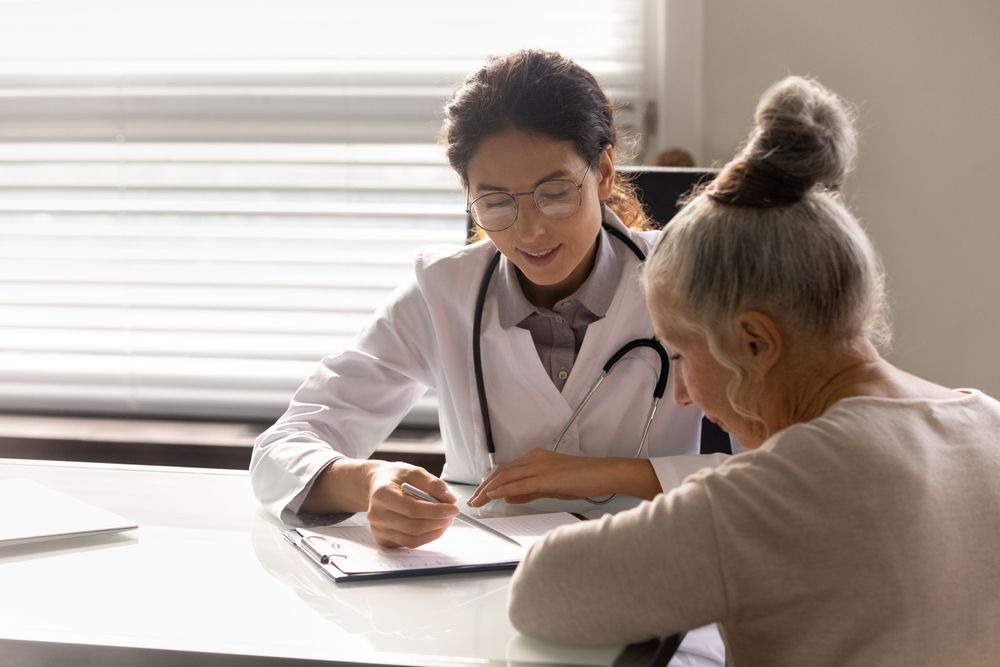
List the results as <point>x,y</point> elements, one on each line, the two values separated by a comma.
<point>421,495</point>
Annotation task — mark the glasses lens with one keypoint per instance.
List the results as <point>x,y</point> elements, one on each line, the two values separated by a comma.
<point>494,212</point>
<point>557,199</point>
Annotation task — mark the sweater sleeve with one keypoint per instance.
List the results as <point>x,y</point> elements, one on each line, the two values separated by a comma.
<point>671,471</point>
<point>649,572</point>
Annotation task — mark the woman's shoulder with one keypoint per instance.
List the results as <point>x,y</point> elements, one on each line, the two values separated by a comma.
<point>452,274</point>
<point>878,433</point>
<point>453,261</point>
<point>865,414</point>
<point>646,237</point>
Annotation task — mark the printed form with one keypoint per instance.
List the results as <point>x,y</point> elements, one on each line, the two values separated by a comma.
<point>461,545</point>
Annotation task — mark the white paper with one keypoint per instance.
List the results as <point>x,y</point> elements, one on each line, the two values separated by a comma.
<point>460,545</point>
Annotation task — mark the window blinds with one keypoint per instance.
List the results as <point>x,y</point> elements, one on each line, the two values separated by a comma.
<point>198,201</point>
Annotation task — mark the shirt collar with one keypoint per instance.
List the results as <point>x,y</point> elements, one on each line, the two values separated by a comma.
<point>595,294</point>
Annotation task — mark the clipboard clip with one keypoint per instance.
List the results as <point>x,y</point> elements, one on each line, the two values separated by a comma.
<point>319,548</point>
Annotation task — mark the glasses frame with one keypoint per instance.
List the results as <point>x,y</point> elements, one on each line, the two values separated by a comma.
<point>517,209</point>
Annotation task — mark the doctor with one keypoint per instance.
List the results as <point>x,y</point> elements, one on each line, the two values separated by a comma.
<point>532,137</point>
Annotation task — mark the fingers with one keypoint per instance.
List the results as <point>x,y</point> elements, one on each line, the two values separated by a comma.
<point>428,483</point>
<point>520,500</point>
<point>417,522</point>
<point>478,497</point>
<point>390,498</point>
<point>501,484</point>
<point>398,519</point>
<point>516,469</point>
<point>509,490</point>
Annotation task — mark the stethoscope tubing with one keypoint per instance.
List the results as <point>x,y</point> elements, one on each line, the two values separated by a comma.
<point>477,355</point>
<point>477,363</point>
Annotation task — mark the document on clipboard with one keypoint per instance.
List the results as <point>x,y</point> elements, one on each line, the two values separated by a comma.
<point>350,553</point>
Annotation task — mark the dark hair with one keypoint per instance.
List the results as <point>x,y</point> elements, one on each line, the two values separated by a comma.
<point>540,92</point>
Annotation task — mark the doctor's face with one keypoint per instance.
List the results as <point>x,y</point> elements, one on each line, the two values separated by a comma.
<point>554,255</point>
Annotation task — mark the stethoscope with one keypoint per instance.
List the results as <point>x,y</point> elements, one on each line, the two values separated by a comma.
<point>652,343</point>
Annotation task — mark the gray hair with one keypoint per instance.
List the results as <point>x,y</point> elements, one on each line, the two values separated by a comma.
<point>772,234</point>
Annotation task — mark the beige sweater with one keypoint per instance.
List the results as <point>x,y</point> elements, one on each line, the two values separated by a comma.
<point>868,536</point>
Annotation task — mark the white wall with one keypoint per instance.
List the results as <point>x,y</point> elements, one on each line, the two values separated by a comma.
<point>927,78</point>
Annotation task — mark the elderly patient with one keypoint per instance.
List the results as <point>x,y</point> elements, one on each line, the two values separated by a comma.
<point>863,527</point>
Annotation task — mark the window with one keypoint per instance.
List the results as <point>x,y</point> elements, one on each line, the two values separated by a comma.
<point>198,200</point>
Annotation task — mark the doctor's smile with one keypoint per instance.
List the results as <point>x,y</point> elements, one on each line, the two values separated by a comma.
<point>539,257</point>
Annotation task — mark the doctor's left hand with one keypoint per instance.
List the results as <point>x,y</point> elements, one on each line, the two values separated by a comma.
<point>542,473</point>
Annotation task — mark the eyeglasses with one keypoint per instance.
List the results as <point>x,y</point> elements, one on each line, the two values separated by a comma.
<point>559,198</point>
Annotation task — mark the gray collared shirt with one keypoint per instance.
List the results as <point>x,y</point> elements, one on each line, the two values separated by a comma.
<point>558,333</point>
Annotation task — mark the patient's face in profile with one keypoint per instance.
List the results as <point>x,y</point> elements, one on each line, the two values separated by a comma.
<point>698,377</point>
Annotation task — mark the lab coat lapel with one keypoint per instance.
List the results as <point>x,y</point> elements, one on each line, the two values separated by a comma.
<point>535,379</point>
<point>526,408</point>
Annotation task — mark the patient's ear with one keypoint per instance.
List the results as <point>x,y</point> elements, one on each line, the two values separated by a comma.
<point>760,340</point>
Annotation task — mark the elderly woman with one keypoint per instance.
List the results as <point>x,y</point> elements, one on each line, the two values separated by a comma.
<point>863,527</point>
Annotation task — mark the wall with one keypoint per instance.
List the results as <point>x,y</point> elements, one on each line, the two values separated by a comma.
<point>926,76</point>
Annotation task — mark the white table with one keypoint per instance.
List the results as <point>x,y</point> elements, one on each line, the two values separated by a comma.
<point>208,579</point>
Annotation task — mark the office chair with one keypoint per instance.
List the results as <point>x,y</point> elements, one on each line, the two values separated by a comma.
<point>660,189</point>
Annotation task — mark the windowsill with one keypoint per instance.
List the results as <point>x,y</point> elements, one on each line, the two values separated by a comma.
<point>172,442</point>
<point>136,431</point>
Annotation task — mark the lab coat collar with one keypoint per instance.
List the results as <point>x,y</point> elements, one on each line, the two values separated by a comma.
<point>595,294</point>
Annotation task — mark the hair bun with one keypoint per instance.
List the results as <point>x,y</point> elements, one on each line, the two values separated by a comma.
<point>803,137</point>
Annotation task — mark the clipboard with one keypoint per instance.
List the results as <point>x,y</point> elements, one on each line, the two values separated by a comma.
<point>350,553</point>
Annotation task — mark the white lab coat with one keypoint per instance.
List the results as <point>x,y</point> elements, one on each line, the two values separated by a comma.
<point>423,339</point>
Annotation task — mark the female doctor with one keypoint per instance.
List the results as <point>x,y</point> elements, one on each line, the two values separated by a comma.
<point>532,137</point>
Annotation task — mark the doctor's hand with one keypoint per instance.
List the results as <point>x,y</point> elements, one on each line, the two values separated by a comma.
<point>398,519</point>
<point>542,473</point>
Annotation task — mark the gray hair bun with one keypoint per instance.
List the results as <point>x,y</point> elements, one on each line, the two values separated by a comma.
<point>803,137</point>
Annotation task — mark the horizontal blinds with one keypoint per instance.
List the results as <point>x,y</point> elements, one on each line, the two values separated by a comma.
<point>201,200</point>
<point>201,280</point>
<point>295,70</point>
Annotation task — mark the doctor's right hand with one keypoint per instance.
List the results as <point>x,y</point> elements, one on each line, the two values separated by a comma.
<point>398,519</point>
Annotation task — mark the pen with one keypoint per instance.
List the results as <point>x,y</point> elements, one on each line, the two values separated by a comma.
<point>417,493</point>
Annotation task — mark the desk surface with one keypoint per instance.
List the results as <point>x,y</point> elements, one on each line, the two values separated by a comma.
<point>208,572</point>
